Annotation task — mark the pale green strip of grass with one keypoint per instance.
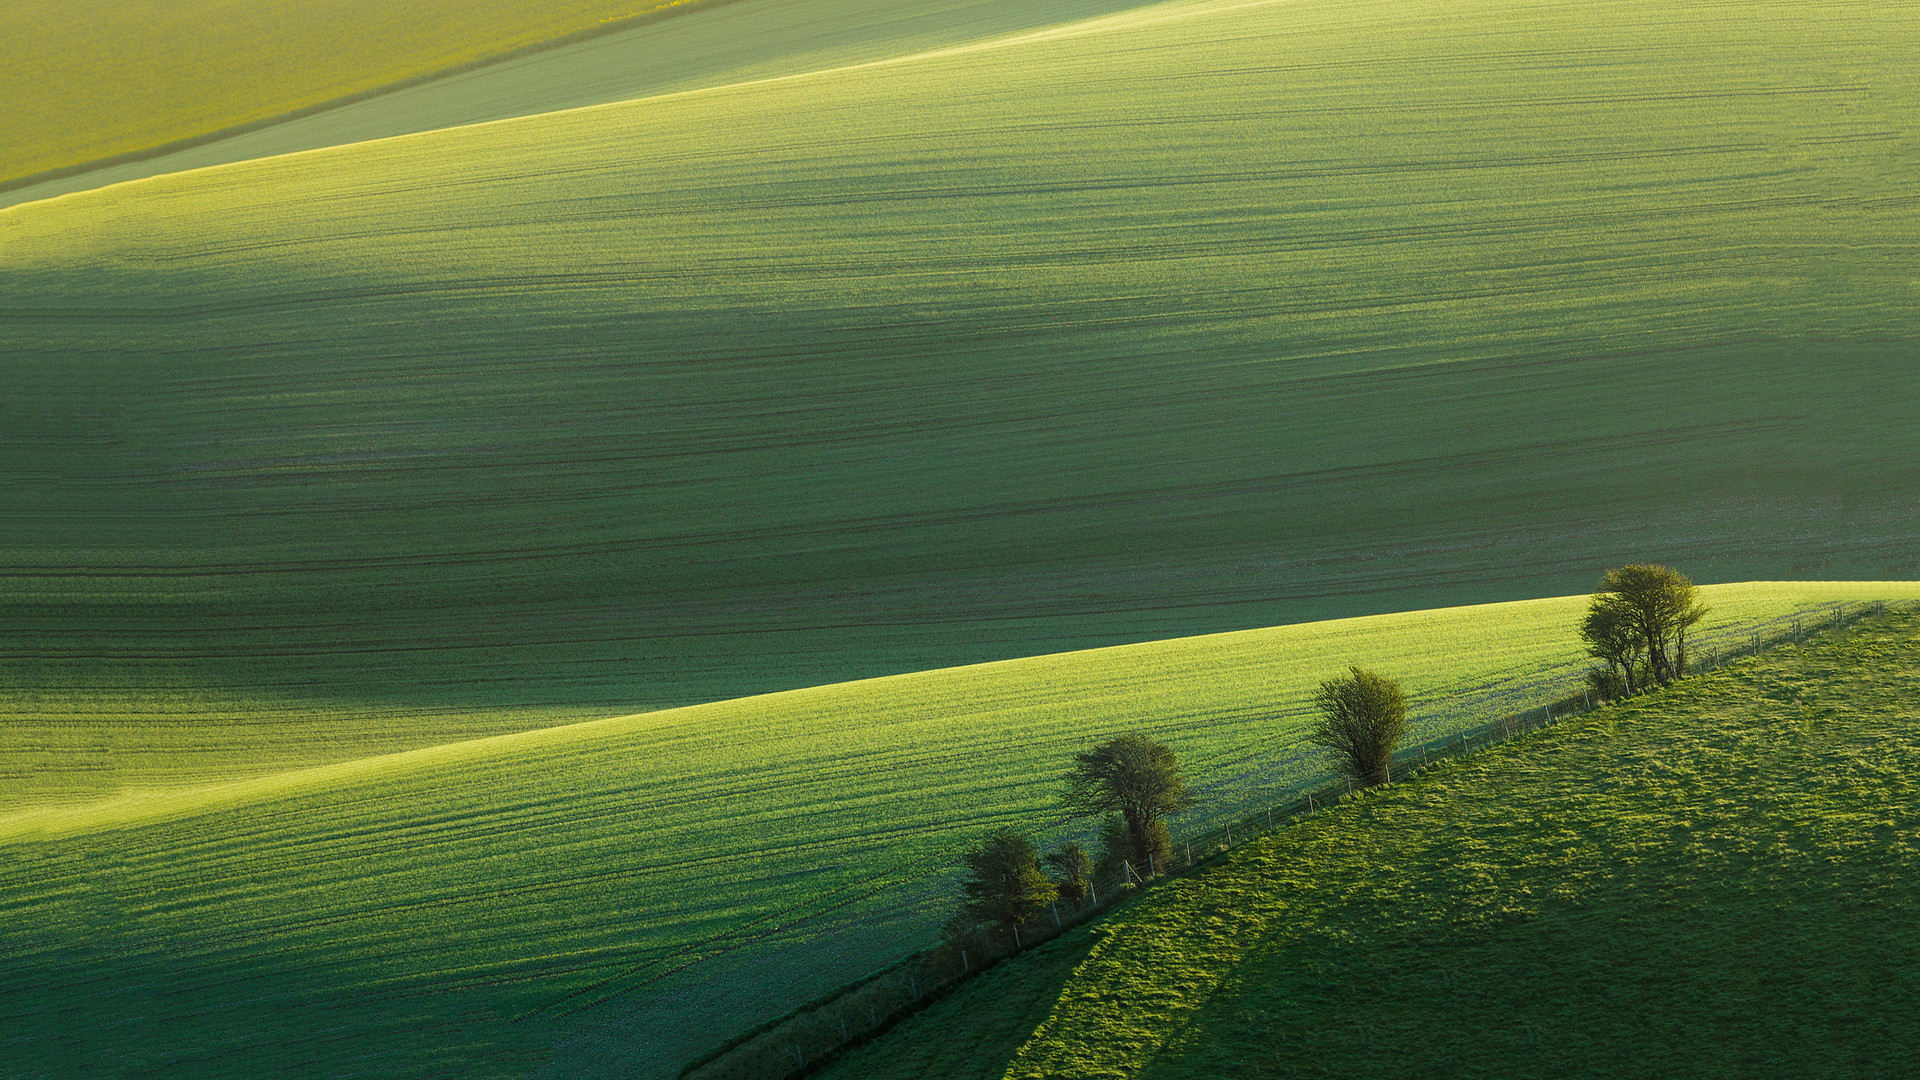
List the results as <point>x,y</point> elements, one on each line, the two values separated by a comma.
<point>86,80</point>
<point>719,44</point>
<point>778,845</point>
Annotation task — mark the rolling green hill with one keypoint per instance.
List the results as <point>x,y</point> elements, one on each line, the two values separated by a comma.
<point>616,897</point>
<point>1184,319</point>
<point>1190,318</point>
<point>86,80</point>
<point>1713,881</point>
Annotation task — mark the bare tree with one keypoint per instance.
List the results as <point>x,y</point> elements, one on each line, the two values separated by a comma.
<point>1362,717</point>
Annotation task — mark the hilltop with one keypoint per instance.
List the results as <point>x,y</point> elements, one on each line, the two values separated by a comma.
<point>1712,880</point>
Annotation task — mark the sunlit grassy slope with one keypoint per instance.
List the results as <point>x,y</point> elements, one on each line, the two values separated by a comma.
<point>90,79</point>
<point>1715,881</point>
<point>702,46</point>
<point>680,875</point>
<point>1203,316</point>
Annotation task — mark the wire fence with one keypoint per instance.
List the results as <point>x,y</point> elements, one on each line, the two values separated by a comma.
<point>1455,725</point>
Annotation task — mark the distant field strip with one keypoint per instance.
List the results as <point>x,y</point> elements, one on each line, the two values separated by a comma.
<point>705,45</point>
<point>87,80</point>
<point>694,871</point>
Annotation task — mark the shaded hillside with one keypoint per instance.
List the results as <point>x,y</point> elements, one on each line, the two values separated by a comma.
<point>1715,880</point>
<point>637,889</point>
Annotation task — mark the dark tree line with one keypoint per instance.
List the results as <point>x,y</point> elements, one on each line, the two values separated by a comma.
<point>1637,623</point>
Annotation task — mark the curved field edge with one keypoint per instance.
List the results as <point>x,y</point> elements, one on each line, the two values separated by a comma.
<point>1439,653</point>
<point>726,44</point>
<point>680,875</point>
<point>297,36</point>
<point>1711,880</point>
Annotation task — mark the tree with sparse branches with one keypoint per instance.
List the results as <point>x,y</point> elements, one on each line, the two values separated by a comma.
<point>1609,634</point>
<point>1362,717</point>
<point>1656,606</point>
<point>1139,780</point>
<point>1004,883</point>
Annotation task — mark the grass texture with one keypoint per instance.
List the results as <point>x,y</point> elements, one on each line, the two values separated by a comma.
<point>615,897</point>
<point>704,46</point>
<point>1188,318</point>
<point>86,80</point>
<point>1713,881</point>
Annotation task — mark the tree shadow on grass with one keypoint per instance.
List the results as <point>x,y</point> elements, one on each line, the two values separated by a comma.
<point>1799,979</point>
<point>973,1032</point>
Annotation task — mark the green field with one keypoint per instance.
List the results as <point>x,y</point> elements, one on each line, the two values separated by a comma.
<point>1192,318</point>
<point>87,80</point>
<point>1713,881</point>
<point>340,484</point>
<point>679,876</point>
<point>703,46</point>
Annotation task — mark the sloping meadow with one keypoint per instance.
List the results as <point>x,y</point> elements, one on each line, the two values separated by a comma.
<point>618,896</point>
<point>1714,880</point>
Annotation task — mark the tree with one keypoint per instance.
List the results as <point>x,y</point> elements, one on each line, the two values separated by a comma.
<point>1072,871</point>
<point>1609,634</point>
<point>1139,779</point>
<point>1005,885</point>
<point>1124,859</point>
<point>1362,716</point>
<point>1656,605</point>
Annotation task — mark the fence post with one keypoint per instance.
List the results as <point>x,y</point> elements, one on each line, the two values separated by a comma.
<point>1189,853</point>
<point>1269,817</point>
<point>1309,802</point>
<point>843,1027</point>
<point>966,965</point>
<point>1016,938</point>
<point>1153,866</point>
<point>1056,914</point>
